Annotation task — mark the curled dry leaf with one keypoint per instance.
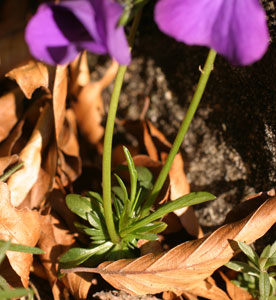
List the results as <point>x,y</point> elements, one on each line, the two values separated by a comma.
<point>21,182</point>
<point>11,109</point>
<point>235,292</point>
<point>186,267</point>
<point>22,227</point>
<point>89,107</point>
<point>69,158</point>
<point>30,76</point>
<point>55,239</point>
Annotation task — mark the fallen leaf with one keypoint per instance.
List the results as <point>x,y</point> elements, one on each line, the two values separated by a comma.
<point>69,158</point>
<point>11,109</point>
<point>186,267</point>
<point>55,239</point>
<point>89,107</point>
<point>235,292</point>
<point>30,76</point>
<point>21,182</point>
<point>80,74</point>
<point>22,227</point>
<point>59,94</point>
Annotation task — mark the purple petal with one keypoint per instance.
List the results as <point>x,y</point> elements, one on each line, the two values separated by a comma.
<point>236,29</point>
<point>58,32</point>
<point>107,20</point>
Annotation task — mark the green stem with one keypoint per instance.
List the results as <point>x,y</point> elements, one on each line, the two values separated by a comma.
<point>208,67</point>
<point>6,175</point>
<point>107,150</point>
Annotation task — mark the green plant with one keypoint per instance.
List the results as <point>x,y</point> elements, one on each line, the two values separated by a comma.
<point>255,276</point>
<point>6,292</point>
<point>117,219</point>
<point>130,222</point>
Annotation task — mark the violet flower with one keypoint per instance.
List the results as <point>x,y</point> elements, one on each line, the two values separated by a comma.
<point>58,32</point>
<point>236,29</point>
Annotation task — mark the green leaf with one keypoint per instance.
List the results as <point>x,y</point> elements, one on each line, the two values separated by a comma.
<point>146,236</point>
<point>152,228</point>
<point>76,256</point>
<point>94,220</point>
<point>21,248</point>
<point>266,252</point>
<point>95,196</point>
<point>123,187</point>
<point>249,252</point>
<point>79,205</point>
<point>273,250</point>
<point>119,193</point>
<point>15,293</point>
<point>239,266</point>
<point>4,246</point>
<point>270,262</point>
<point>144,177</point>
<point>132,174</point>
<point>273,285</point>
<point>4,284</point>
<point>187,200</point>
<point>264,285</point>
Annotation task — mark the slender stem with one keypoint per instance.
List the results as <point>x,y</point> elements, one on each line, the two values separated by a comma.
<point>107,150</point>
<point>208,67</point>
<point>7,174</point>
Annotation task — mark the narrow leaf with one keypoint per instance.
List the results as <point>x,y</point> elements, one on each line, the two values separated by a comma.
<point>249,252</point>
<point>4,246</point>
<point>15,293</point>
<point>132,174</point>
<point>239,266</point>
<point>273,250</point>
<point>123,187</point>
<point>187,200</point>
<point>270,262</point>
<point>264,285</point>
<point>22,248</point>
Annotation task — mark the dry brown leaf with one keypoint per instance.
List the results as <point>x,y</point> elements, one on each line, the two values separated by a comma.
<point>185,267</point>
<point>11,109</point>
<point>69,158</point>
<point>54,240</point>
<point>235,292</point>
<point>21,182</point>
<point>30,76</point>
<point>80,74</point>
<point>59,94</point>
<point>89,107</point>
<point>22,227</point>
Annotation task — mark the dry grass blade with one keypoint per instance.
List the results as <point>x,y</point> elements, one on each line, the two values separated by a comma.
<point>185,267</point>
<point>21,226</point>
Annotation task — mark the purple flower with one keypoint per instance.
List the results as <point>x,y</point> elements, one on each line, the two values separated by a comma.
<point>236,29</point>
<point>58,32</point>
